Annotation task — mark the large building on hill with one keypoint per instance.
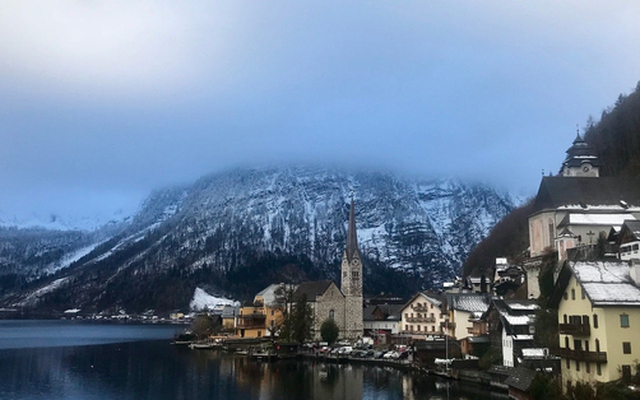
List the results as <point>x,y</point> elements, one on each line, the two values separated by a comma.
<point>575,208</point>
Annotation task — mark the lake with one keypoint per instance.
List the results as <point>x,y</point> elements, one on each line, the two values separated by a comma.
<point>83,360</point>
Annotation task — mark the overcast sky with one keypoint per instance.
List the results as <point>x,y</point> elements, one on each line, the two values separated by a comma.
<point>101,102</point>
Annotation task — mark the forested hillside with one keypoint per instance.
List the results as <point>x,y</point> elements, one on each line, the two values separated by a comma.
<point>616,138</point>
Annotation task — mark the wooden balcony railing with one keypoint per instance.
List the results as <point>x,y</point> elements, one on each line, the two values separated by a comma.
<point>575,329</point>
<point>582,355</point>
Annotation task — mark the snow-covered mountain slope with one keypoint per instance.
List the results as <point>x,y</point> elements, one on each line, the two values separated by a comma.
<point>237,231</point>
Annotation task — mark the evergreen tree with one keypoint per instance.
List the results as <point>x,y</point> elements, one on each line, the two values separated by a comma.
<point>302,320</point>
<point>329,331</point>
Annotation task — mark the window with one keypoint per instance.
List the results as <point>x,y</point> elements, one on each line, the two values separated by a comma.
<point>577,344</point>
<point>587,367</point>
<point>418,328</point>
<point>259,333</point>
<point>595,320</point>
<point>331,314</point>
<point>626,347</point>
<point>598,345</point>
<point>551,235</point>
<point>626,373</point>
<point>624,320</point>
<point>585,320</point>
<point>582,296</point>
<point>577,365</point>
<point>598,369</point>
<point>564,318</point>
<point>433,328</point>
<point>573,294</point>
<point>566,342</point>
<point>568,363</point>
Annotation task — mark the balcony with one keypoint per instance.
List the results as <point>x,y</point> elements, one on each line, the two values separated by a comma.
<point>420,308</point>
<point>421,319</point>
<point>251,321</point>
<point>575,329</point>
<point>582,355</point>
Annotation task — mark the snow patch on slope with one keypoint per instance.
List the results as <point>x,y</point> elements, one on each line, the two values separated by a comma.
<point>204,301</point>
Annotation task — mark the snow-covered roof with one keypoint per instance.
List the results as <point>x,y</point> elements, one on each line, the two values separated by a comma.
<point>522,337</point>
<point>518,319</point>
<point>615,220</point>
<point>535,352</point>
<point>272,293</point>
<point>470,302</point>
<point>522,305</point>
<point>607,283</point>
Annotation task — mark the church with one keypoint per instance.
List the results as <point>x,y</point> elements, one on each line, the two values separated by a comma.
<point>574,209</point>
<point>343,305</point>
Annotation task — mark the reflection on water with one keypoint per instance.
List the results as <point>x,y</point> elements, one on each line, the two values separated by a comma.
<point>153,369</point>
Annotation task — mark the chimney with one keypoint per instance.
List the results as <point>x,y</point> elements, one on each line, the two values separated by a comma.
<point>634,271</point>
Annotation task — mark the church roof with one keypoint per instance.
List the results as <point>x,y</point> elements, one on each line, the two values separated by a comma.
<point>312,289</point>
<point>609,194</point>
<point>581,152</point>
<point>352,235</point>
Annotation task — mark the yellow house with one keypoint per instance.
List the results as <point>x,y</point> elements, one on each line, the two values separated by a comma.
<point>463,310</point>
<point>598,320</point>
<point>264,316</point>
<point>424,314</point>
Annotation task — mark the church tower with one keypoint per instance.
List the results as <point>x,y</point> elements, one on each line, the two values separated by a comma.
<point>351,283</point>
<point>581,161</point>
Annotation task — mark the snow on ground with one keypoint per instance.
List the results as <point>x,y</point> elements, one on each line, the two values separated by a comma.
<point>203,300</point>
<point>72,257</point>
<point>33,298</point>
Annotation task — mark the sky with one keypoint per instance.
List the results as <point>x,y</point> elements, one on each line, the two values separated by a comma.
<point>102,102</point>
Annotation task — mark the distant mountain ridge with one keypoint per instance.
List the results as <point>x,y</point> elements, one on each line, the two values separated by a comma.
<point>237,231</point>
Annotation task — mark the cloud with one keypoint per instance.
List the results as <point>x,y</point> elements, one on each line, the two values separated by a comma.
<point>124,96</point>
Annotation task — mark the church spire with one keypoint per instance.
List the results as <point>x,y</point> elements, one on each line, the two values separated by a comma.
<point>352,236</point>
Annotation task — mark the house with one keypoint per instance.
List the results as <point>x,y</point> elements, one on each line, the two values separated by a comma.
<point>598,306</point>
<point>628,240</point>
<point>511,327</point>
<point>250,322</point>
<point>423,314</point>
<point>507,278</point>
<point>272,299</point>
<point>382,320</point>
<point>463,310</point>
<point>264,316</point>
<point>228,315</point>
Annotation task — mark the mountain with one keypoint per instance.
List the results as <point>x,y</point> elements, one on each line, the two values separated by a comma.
<point>234,233</point>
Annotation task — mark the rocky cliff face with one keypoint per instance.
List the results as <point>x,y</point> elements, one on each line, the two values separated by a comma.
<point>238,231</point>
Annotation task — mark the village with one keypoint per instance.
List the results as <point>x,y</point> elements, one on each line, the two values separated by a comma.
<point>579,284</point>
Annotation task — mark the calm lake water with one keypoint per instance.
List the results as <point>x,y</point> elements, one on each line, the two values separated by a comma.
<point>80,360</point>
